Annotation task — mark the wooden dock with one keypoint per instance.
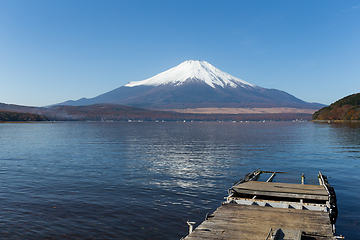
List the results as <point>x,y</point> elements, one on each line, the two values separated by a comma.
<point>235,221</point>
<point>287,190</point>
<point>267,211</point>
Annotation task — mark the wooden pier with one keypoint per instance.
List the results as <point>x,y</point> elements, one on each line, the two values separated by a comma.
<point>271,211</point>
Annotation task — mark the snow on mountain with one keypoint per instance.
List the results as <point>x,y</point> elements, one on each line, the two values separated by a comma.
<point>193,70</point>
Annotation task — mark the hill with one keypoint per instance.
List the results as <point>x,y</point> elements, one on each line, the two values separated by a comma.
<point>6,116</point>
<point>345,109</point>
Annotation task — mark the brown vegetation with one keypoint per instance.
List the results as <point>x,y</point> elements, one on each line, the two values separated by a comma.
<point>114,112</point>
<point>105,112</point>
<point>244,110</point>
<point>345,109</point>
<point>6,116</point>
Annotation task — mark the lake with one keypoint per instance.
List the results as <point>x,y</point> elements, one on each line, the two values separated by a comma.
<point>144,180</point>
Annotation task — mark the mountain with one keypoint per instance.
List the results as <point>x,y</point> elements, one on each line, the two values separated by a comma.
<point>345,109</point>
<point>195,84</point>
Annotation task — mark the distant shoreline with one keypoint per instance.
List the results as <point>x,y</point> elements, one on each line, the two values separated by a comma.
<point>219,110</point>
<point>337,121</point>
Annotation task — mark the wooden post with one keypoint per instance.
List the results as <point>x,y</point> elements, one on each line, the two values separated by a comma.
<point>191,224</point>
<point>271,177</point>
<point>302,179</point>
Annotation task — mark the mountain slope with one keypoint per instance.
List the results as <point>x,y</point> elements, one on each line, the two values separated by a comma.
<point>195,84</point>
<point>347,108</point>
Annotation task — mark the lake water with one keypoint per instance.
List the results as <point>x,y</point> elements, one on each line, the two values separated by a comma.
<point>114,180</point>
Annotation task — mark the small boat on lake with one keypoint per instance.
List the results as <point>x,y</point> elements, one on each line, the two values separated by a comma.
<point>268,210</point>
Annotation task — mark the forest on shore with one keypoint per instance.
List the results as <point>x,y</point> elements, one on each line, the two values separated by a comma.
<point>6,116</point>
<point>345,109</point>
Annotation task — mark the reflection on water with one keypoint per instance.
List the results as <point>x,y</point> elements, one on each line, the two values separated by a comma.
<point>145,180</point>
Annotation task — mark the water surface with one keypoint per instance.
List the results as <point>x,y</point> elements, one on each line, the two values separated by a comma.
<point>79,180</point>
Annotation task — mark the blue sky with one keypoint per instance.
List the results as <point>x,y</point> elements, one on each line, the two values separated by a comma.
<point>53,51</point>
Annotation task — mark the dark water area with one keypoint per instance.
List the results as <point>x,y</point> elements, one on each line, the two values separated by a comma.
<point>79,180</point>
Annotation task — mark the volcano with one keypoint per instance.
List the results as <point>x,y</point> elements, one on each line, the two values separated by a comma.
<point>196,84</point>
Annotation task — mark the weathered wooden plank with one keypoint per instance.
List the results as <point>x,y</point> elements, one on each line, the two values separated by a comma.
<point>233,221</point>
<point>288,190</point>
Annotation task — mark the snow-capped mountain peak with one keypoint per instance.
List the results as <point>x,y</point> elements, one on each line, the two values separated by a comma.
<point>195,84</point>
<point>201,71</point>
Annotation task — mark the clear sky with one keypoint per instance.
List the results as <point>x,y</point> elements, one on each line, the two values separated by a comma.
<point>53,51</point>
